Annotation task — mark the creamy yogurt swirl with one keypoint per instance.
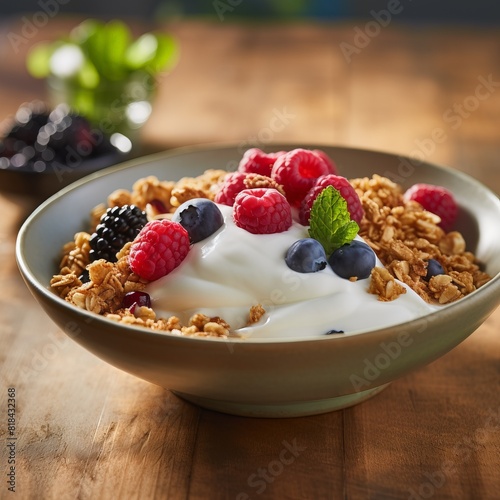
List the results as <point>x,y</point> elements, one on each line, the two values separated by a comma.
<point>232,270</point>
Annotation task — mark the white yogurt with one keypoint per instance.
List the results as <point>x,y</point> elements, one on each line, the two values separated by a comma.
<point>232,270</point>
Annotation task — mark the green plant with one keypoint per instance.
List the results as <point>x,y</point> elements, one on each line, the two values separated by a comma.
<point>96,53</point>
<point>105,74</point>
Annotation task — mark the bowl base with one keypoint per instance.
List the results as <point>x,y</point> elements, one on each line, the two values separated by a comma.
<point>282,410</point>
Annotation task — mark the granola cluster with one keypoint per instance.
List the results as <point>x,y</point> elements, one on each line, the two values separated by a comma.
<point>108,282</point>
<point>403,235</point>
<point>160,197</point>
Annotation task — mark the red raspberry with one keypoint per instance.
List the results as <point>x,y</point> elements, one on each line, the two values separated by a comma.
<point>297,172</point>
<point>257,162</point>
<point>342,185</point>
<point>158,249</point>
<point>262,211</point>
<point>435,199</point>
<point>232,185</point>
<point>327,160</point>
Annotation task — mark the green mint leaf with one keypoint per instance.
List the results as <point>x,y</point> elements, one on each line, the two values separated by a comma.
<point>330,221</point>
<point>110,51</point>
<point>345,234</point>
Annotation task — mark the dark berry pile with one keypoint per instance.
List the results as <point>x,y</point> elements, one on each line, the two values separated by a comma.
<point>117,226</point>
<point>38,138</point>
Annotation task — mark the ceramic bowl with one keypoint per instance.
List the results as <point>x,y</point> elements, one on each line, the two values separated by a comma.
<point>265,378</point>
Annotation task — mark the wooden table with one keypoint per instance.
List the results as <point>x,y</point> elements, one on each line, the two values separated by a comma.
<point>88,431</point>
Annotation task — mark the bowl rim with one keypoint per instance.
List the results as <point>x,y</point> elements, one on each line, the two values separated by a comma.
<point>440,314</point>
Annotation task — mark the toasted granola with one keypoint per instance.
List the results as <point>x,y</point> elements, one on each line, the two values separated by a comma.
<point>253,181</point>
<point>205,185</point>
<point>402,234</point>
<point>405,236</point>
<point>108,282</point>
<point>384,285</point>
<point>199,325</point>
<point>76,254</point>
<point>256,313</point>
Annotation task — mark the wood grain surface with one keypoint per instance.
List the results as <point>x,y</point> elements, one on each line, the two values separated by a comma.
<point>86,430</point>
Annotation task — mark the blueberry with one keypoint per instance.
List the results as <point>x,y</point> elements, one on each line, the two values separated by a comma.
<point>306,256</point>
<point>433,269</point>
<point>200,217</point>
<point>353,260</point>
<point>28,121</point>
<point>332,332</point>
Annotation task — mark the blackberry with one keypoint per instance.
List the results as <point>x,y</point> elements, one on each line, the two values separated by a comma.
<point>28,121</point>
<point>66,131</point>
<point>117,226</point>
<point>39,138</point>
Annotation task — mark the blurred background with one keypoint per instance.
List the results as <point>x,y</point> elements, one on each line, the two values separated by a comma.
<point>481,11</point>
<point>418,78</point>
